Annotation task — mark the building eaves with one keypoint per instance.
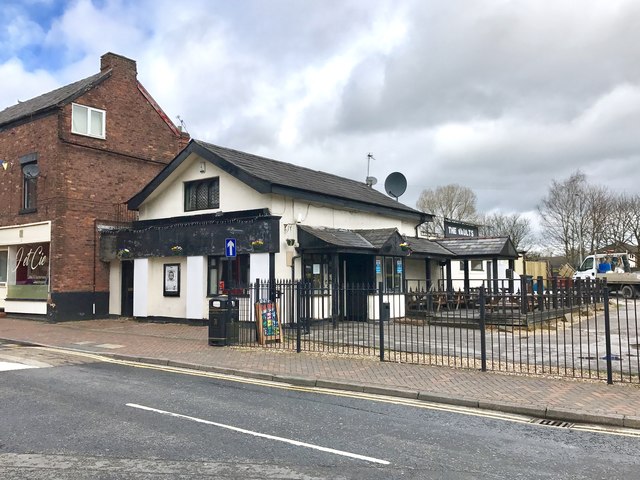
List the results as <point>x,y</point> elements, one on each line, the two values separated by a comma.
<point>271,176</point>
<point>491,247</point>
<point>294,180</point>
<point>338,237</point>
<point>29,109</point>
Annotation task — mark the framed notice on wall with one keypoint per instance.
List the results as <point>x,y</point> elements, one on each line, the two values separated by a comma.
<point>268,320</point>
<point>171,284</point>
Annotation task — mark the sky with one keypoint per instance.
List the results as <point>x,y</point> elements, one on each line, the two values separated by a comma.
<point>499,96</point>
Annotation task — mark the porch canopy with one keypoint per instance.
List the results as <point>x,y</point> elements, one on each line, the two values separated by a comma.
<point>345,244</point>
<point>476,248</point>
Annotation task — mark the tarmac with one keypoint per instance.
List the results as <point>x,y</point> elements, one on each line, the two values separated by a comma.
<point>181,345</point>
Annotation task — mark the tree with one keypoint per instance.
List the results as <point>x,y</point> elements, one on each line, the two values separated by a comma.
<point>562,215</point>
<point>515,226</point>
<point>453,202</point>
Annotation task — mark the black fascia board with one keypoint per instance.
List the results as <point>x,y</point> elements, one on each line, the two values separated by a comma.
<point>205,217</point>
<point>134,202</point>
<point>45,112</point>
<point>258,184</point>
<point>343,202</point>
<point>195,148</point>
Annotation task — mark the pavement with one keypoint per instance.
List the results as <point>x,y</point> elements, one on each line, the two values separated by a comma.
<point>180,345</point>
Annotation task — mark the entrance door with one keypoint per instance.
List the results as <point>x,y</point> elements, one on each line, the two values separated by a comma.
<point>126,307</point>
<point>358,275</point>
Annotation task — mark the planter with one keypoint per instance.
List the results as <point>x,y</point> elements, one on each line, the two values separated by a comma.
<point>291,242</point>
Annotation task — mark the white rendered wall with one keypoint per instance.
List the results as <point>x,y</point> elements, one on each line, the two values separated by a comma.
<point>258,266</point>
<point>115,288</point>
<point>195,291</point>
<point>140,286</point>
<point>168,200</point>
<point>159,305</point>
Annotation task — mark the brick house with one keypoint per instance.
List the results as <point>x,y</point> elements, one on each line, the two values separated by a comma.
<point>70,158</point>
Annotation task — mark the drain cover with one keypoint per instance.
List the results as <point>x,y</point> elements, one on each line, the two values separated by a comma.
<point>551,423</point>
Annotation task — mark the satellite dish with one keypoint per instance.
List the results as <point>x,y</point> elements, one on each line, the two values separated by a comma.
<point>395,185</point>
<point>371,181</point>
<point>31,170</point>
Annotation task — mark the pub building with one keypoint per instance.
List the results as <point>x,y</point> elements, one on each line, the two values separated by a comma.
<point>217,219</point>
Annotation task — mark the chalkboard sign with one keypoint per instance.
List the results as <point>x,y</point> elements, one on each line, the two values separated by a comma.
<point>268,319</point>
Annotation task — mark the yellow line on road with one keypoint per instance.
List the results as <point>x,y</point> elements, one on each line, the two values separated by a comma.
<point>476,412</point>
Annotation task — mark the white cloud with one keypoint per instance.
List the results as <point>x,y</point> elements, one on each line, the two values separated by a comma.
<point>495,95</point>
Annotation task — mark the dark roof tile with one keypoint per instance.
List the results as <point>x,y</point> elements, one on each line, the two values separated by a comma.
<point>49,100</point>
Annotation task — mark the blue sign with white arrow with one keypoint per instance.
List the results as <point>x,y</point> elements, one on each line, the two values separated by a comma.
<point>230,247</point>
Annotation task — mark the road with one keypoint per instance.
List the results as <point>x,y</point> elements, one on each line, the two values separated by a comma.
<point>80,417</point>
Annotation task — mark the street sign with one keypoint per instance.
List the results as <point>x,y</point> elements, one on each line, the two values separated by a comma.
<point>230,247</point>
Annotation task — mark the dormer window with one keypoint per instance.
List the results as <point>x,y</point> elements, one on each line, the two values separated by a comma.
<point>88,121</point>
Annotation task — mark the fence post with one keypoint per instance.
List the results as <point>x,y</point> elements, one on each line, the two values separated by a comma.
<point>298,300</point>
<point>607,331</point>
<point>523,294</point>
<point>540,289</point>
<point>380,308</point>
<point>483,340</point>
<point>554,291</point>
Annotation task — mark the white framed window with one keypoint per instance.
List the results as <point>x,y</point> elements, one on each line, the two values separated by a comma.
<point>474,265</point>
<point>88,121</point>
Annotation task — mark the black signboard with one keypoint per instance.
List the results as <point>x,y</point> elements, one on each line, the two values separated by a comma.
<point>459,230</point>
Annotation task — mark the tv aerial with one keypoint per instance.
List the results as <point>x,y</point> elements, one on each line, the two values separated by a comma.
<point>371,181</point>
<point>395,185</point>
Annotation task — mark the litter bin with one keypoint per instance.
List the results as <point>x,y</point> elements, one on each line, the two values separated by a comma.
<point>223,321</point>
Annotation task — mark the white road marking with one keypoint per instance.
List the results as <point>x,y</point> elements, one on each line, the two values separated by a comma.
<point>7,366</point>
<point>82,343</point>
<point>263,435</point>
<point>422,404</point>
<point>109,345</point>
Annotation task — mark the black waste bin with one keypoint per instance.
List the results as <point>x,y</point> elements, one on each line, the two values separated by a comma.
<point>223,321</point>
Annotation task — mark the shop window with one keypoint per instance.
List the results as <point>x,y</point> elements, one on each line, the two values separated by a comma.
<point>228,274</point>
<point>87,121</point>
<point>202,195</point>
<point>212,276</point>
<point>316,270</point>
<point>30,274</point>
<point>390,271</point>
<point>3,265</point>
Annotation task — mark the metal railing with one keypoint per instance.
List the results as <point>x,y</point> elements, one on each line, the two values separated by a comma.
<point>567,329</point>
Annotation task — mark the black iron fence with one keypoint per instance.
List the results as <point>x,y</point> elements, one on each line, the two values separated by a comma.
<point>541,326</point>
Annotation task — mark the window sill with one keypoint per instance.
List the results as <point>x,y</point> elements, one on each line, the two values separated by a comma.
<point>25,211</point>
<point>97,137</point>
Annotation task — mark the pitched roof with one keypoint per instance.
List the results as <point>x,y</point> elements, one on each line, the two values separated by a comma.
<point>338,237</point>
<point>427,247</point>
<point>272,176</point>
<point>475,247</point>
<point>51,100</point>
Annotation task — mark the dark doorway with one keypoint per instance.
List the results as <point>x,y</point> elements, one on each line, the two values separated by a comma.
<point>126,307</point>
<point>358,277</point>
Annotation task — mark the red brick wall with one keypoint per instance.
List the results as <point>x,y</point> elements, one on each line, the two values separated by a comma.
<point>83,177</point>
<point>38,136</point>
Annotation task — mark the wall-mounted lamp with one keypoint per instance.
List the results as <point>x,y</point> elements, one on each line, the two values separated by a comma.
<point>203,167</point>
<point>4,164</point>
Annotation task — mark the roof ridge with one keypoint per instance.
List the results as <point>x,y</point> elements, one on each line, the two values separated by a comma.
<point>207,144</point>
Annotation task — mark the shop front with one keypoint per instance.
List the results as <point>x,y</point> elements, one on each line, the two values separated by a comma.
<point>25,268</point>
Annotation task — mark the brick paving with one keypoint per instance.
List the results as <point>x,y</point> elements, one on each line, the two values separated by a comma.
<point>569,399</point>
